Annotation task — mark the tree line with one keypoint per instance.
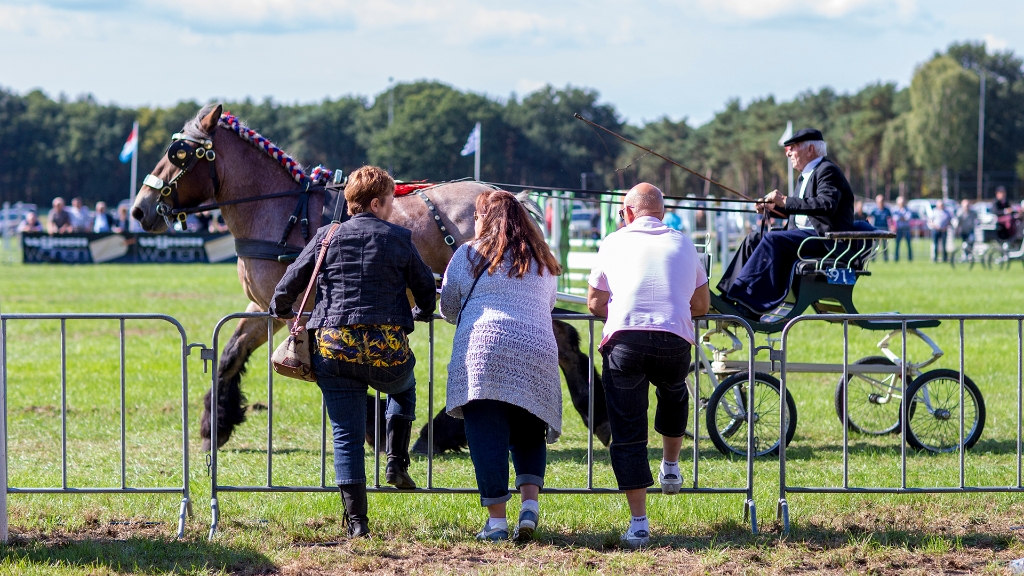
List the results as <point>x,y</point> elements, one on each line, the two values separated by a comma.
<point>887,140</point>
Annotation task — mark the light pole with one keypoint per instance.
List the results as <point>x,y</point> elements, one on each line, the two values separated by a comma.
<point>981,128</point>
<point>391,120</point>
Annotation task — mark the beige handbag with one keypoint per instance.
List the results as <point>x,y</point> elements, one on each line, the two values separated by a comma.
<point>293,357</point>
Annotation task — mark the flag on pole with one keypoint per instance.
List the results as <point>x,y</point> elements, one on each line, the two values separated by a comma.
<point>473,142</point>
<point>131,145</point>
<point>787,134</point>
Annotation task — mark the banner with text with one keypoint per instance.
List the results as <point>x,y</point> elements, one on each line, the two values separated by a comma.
<point>127,248</point>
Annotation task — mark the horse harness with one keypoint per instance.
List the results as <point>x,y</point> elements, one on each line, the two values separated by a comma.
<point>185,152</point>
<point>448,238</point>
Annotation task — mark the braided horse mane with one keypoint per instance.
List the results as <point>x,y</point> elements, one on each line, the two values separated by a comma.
<point>194,129</point>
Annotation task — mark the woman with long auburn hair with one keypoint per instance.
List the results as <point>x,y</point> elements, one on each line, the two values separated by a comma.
<point>499,290</point>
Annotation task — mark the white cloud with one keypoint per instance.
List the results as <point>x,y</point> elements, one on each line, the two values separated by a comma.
<point>762,9</point>
<point>526,85</point>
<point>993,42</point>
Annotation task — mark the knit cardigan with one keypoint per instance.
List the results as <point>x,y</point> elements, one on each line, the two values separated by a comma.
<point>504,347</point>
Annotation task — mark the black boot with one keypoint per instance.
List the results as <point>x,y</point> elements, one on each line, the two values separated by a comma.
<point>399,431</point>
<point>353,497</point>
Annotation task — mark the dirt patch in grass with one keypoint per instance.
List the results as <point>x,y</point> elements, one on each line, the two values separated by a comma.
<point>965,545</point>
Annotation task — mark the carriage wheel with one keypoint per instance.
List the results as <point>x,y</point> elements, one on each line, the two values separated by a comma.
<point>727,415</point>
<point>934,423</point>
<point>875,399</point>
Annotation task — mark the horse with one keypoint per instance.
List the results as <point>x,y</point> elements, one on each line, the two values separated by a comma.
<point>255,184</point>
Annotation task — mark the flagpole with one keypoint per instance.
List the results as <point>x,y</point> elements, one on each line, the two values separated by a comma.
<point>786,136</point>
<point>476,155</point>
<point>135,163</point>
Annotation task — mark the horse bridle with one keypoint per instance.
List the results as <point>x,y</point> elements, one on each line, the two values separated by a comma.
<point>184,152</point>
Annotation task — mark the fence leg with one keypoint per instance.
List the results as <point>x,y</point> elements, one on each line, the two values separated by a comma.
<point>183,513</point>
<point>750,513</point>
<point>215,512</point>
<point>782,513</point>
<point>3,439</point>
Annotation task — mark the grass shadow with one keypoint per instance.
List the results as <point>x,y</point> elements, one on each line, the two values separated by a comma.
<point>145,555</point>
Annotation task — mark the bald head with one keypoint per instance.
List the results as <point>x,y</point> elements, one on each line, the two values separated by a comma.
<point>645,200</point>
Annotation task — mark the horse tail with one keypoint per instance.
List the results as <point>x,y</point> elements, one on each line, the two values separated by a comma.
<point>532,208</point>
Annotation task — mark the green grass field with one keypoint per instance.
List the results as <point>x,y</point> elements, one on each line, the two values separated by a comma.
<point>300,533</point>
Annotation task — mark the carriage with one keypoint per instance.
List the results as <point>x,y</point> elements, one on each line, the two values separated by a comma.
<point>874,387</point>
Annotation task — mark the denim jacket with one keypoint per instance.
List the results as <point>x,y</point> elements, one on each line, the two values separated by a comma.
<point>369,265</point>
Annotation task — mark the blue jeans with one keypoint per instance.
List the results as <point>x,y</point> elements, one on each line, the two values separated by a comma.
<point>632,360</point>
<point>493,430</point>
<point>903,234</point>
<point>344,386</point>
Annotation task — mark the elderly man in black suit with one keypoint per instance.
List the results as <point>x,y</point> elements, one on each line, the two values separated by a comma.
<point>759,274</point>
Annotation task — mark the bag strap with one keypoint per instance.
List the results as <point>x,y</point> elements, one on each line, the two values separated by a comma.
<point>466,301</point>
<point>296,327</point>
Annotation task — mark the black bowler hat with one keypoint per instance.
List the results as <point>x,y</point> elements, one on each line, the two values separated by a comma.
<point>804,135</point>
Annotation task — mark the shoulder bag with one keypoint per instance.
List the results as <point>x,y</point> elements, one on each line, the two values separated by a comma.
<point>458,320</point>
<point>293,357</point>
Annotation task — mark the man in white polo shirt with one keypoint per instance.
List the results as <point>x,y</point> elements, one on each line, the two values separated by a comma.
<point>649,283</point>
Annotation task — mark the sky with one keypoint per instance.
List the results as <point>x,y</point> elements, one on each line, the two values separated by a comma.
<point>651,58</point>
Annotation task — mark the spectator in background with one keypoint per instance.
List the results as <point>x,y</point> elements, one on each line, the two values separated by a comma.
<point>1004,214</point>
<point>80,217</point>
<point>218,224</point>
<point>881,219</point>
<point>938,223</point>
<point>902,222</point>
<point>102,221</point>
<point>1001,206</point>
<point>123,221</point>
<point>858,212</point>
<point>203,221</point>
<point>966,220</point>
<point>59,219</point>
<point>672,220</point>
<point>30,224</point>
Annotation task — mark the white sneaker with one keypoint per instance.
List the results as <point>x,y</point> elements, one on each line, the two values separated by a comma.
<point>635,539</point>
<point>670,483</point>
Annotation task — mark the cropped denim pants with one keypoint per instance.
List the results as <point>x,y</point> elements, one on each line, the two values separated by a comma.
<point>493,430</point>
<point>344,386</point>
<point>633,359</point>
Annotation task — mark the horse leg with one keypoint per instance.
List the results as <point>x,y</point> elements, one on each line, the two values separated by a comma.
<point>250,334</point>
<point>575,366</point>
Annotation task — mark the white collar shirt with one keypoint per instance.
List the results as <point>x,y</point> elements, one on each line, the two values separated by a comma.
<point>650,272</point>
<point>805,175</point>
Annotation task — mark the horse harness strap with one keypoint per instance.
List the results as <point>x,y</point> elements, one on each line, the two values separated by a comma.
<point>266,250</point>
<point>448,238</point>
<point>300,214</point>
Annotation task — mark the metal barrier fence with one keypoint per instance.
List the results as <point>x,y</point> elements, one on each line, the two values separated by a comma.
<point>185,508</point>
<point>749,510</point>
<point>922,400</point>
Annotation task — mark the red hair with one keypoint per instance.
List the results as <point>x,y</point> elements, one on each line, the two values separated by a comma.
<point>506,227</point>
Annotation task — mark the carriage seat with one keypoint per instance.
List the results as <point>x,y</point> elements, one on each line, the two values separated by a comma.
<point>814,282</point>
<point>850,250</point>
